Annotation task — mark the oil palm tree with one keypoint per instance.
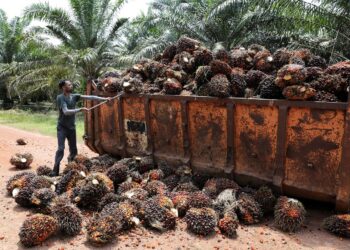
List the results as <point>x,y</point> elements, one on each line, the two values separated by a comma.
<point>87,31</point>
<point>12,37</point>
<point>214,22</point>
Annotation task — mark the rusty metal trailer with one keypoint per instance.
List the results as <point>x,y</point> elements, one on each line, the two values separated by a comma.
<point>299,148</point>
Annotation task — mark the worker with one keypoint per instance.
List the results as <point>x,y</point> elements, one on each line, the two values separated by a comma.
<point>66,102</point>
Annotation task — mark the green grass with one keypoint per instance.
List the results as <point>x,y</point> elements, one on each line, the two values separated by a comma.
<point>43,123</point>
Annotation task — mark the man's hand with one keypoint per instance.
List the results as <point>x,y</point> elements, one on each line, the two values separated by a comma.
<point>85,110</point>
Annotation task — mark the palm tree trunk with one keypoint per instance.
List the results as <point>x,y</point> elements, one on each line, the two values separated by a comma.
<point>7,102</point>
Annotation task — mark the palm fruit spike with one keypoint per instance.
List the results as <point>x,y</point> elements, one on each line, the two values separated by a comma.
<point>201,221</point>
<point>317,61</point>
<point>299,93</point>
<point>186,60</point>
<point>126,186</point>
<point>304,54</point>
<point>342,68</point>
<point>68,216</point>
<point>143,164</point>
<point>238,85</point>
<point>18,181</point>
<point>76,166</point>
<point>228,224</point>
<point>296,60</point>
<point>156,187</point>
<point>108,199</point>
<point>171,181</point>
<point>169,52</point>
<point>222,55</point>
<point>199,199</point>
<point>43,197</point>
<point>181,202</point>
<point>94,188</point>
<point>21,142</point>
<point>338,224</point>
<point>43,170</point>
<point>289,214</point>
<point>163,201</point>
<point>22,161</point>
<point>124,212</point>
<point>68,182</point>
<point>166,169</point>
<point>263,61</point>
<point>187,186</point>
<point>291,74</point>
<point>158,217</point>
<point>203,75</point>
<point>265,197</point>
<point>118,173</point>
<point>323,96</point>
<point>220,67</point>
<point>202,57</point>
<point>225,200</point>
<point>268,89</point>
<point>215,186</point>
<point>24,196</point>
<point>136,193</point>
<point>331,83</point>
<point>254,77</point>
<point>179,75</point>
<point>255,48</point>
<point>36,229</point>
<point>248,210</point>
<point>202,90</point>
<point>240,58</point>
<point>186,44</point>
<point>282,57</point>
<point>102,229</point>
<point>313,73</point>
<point>154,174</point>
<point>172,86</point>
<point>219,86</point>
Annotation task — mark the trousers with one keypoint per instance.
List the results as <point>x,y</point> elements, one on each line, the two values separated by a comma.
<point>63,134</point>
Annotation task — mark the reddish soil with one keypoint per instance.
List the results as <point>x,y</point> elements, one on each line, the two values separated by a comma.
<point>262,236</point>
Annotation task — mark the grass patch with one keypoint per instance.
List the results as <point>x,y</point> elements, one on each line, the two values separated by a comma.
<point>43,123</point>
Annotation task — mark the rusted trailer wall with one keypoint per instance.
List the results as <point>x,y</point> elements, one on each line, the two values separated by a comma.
<point>301,148</point>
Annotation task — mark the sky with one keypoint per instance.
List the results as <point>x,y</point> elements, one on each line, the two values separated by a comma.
<point>15,7</point>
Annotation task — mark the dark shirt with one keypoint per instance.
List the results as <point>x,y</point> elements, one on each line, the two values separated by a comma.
<point>64,103</point>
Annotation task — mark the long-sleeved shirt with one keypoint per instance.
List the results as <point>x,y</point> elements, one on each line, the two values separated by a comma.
<point>67,110</point>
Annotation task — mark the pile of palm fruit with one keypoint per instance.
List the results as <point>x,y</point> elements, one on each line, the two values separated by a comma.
<point>134,192</point>
<point>188,68</point>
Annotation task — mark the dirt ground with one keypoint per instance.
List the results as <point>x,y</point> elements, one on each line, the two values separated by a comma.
<point>262,236</point>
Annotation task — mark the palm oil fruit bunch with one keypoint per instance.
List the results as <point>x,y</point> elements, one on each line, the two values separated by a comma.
<point>338,224</point>
<point>158,216</point>
<point>36,229</point>
<point>228,224</point>
<point>266,199</point>
<point>22,161</point>
<point>43,170</point>
<point>267,89</point>
<point>248,209</point>
<point>21,142</point>
<point>201,221</point>
<point>289,214</point>
<point>290,74</point>
<point>299,93</point>
<point>102,229</point>
<point>68,216</point>
<point>18,182</point>
<point>215,186</point>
